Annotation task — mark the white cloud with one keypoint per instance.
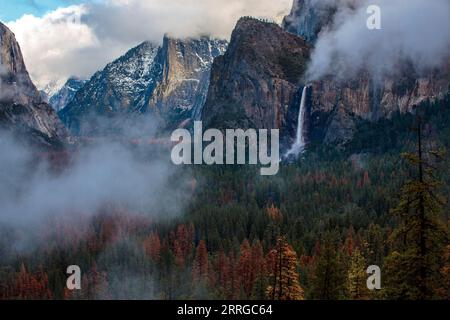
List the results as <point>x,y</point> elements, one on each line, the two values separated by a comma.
<point>50,44</point>
<point>413,30</point>
<point>56,46</point>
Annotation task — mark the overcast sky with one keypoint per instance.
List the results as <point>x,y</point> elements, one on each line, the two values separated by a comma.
<point>63,38</point>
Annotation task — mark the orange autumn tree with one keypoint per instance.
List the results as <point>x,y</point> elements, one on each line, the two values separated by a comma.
<point>31,286</point>
<point>201,272</point>
<point>283,276</point>
<point>200,268</point>
<point>152,246</point>
<point>275,214</point>
<point>276,219</point>
<point>223,275</point>
<point>183,243</point>
<point>245,268</point>
<point>250,267</point>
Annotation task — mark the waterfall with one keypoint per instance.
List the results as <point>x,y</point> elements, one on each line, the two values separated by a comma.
<point>299,144</point>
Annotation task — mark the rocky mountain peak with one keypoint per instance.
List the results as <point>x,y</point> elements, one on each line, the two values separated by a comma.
<point>256,83</point>
<point>185,70</point>
<point>117,89</point>
<point>170,81</point>
<point>61,98</point>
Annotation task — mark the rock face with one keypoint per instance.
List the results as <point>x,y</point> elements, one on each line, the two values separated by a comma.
<point>65,95</point>
<point>22,108</point>
<point>169,81</point>
<point>183,84</point>
<point>336,105</point>
<point>257,83</point>
<point>309,17</point>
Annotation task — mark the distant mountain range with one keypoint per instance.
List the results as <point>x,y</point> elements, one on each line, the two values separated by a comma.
<point>64,95</point>
<point>169,81</point>
<point>256,81</point>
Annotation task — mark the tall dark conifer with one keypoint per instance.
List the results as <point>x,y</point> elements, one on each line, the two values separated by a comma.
<point>412,269</point>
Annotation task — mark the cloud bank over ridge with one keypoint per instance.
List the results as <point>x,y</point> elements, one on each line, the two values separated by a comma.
<point>80,39</point>
<point>415,31</point>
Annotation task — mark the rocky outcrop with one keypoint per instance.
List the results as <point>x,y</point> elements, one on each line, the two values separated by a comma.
<point>22,108</point>
<point>309,17</point>
<point>185,67</point>
<point>170,82</point>
<point>65,95</point>
<point>257,83</point>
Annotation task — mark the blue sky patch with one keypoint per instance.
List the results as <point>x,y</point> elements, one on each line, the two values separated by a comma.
<point>12,10</point>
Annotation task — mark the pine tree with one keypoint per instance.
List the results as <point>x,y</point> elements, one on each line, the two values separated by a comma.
<point>245,268</point>
<point>260,269</point>
<point>283,278</point>
<point>349,243</point>
<point>276,219</point>
<point>374,245</point>
<point>413,268</point>
<point>257,259</point>
<point>152,246</point>
<point>183,243</point>
<point>222,269</point>
<point>356,277</point>
<point>328,280</point>
<point>201,262</point>
<point>31,286</point>
<point>444,290</point>
<point>95,284</point>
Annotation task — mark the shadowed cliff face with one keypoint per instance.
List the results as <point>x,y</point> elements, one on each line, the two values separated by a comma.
<point>21,107</point>
<point>256,84</point>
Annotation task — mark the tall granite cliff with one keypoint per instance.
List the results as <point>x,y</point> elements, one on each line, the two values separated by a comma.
<point>257,83</point>
<point>22,109</point>
<point>184,80</point>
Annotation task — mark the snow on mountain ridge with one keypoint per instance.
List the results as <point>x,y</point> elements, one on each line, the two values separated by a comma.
<point>169,81</point>
<point>64,96</point>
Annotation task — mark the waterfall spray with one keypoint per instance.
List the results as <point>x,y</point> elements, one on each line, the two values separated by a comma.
<point>299,144</point>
